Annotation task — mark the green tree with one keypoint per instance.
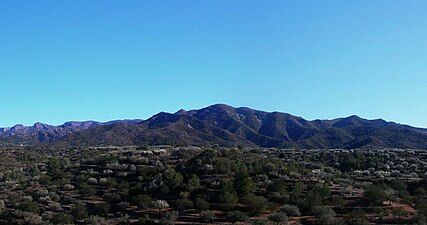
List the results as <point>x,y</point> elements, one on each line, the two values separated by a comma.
<point>172,178</point>
<point>255,204</point>
<point>102,208</point>
<point>143,201</point>
<point>376,194</point>
<point>193,183</point>
<point>243,183</point>
<point>79,211</point>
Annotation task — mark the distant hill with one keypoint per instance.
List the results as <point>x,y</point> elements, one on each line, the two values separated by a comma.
<point>226,126</point>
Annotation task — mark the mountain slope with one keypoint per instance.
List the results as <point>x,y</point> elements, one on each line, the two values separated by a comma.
<point>40,132</point>
<point>228,126</point>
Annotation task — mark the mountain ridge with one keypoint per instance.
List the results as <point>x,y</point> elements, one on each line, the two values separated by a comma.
<point>225,125</point>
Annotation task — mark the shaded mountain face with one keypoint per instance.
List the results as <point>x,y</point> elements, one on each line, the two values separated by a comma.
<point>228,126</point>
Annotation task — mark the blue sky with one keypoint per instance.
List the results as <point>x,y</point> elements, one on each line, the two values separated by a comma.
<point>105,60</point>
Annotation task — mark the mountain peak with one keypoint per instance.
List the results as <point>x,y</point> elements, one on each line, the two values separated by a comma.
<point>181,112</point>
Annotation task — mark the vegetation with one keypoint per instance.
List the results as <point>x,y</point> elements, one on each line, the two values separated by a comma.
<point>166,185</point>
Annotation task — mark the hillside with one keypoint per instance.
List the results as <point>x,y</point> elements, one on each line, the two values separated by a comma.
<point>228,126</point>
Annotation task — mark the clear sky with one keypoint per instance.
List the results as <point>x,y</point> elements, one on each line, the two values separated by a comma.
<point>105,60</point>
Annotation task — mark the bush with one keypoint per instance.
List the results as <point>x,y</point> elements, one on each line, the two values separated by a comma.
<point>169,218</point>
<point>207,217</point>
<point>62,218</point>
<point>324,214</point>
<point>236,216</point>
<point>375,194</point>
<point>184,203</point>
<point>146,220</point>
<point>143,201</point>
<point>255,204</point>
<point>201,204</point>
<point>259,222</point>
<point>357,217</point>
<point>228,197</point>
<point>291,210</point>
<point>278,218</point>
<point>29,206</point>
<point>96,220</point>
<point>102,209</point>
<point>193,183</point>
<point>160,204</point>
<point>79,211</point>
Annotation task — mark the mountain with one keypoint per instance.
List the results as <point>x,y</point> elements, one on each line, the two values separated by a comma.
<point>227,126</point>
<point>39,132</point>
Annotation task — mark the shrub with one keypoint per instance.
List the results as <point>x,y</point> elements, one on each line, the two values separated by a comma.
<point>278,218</point>
<point>207,217</point>
<point>255,204</point>
<point>236,216</point>
<point>291,210</point>
<point>184,203</point>
<point>102,208</point>
<point>143,201</point>
<point>160,204</point>
<point>29,206</point>
<point>259,222</point>
<point>324,214</point>
<point>375,194</point>
<point>169,218</point>
<point>62,218</point>
<point>201,204</point>
<point>146,220</point>
<point>79,211</point>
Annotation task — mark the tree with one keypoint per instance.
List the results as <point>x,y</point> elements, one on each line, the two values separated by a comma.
<point>172,178</point>
<point>278,218</point>
<point>143,201</point>
<point>375,194</point>
<point>193,183</point>
<point>102,208</point>
<point>255,204</point>
<point>207,217</point>
<point>79,211</point>
<point>243,183</point>
<point>277,186</point>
